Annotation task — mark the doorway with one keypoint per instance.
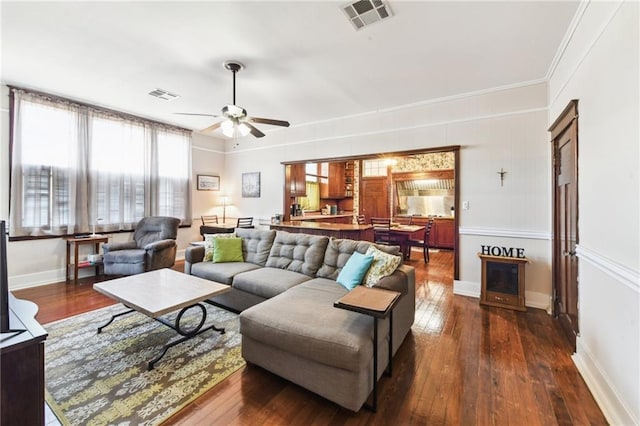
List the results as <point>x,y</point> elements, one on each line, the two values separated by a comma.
<point>564,140</point>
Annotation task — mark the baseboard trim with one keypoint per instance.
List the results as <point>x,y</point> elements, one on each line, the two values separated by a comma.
<point>606,397</point>
<point>533,299</point>
<point>19,282</point>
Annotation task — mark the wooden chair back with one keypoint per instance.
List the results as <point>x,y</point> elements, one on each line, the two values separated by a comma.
<point>361,219</point>
<point>245,222</point>
<point>381,230</point>
<point>209,220</point>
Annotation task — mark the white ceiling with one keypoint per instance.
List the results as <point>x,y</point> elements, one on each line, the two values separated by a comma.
<point>304,61</point>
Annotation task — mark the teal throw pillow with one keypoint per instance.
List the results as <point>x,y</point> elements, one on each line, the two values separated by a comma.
<point>227,250</point>
<point>353,271</point>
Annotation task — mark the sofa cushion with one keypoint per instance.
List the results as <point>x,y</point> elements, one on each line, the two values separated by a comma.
<point>339,251</point>
<point>256,244</point>
<point>221,272</point>
<point>354,270</point>
<point>297,252</point>
<point>303,321</point>
<point>384,264</point>
<point>268,282</point>
<point>227,250</point>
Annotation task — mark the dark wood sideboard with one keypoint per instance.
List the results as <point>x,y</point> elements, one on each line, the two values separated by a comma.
<point>22,366</point>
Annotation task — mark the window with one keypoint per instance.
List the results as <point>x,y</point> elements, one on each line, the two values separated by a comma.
<point>372,168</point>
<point>74,164</point>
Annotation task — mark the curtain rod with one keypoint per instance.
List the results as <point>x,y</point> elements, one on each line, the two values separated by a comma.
<point>97,108</point>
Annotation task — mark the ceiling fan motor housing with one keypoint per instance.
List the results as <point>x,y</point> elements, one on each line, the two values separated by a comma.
<point>234,111</point>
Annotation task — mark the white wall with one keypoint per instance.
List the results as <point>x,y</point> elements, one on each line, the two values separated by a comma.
<point>600,69</point>
<point>36,262</point>
<point>496,129</point>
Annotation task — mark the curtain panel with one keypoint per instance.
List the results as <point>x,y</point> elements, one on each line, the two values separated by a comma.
<point>74,166</point>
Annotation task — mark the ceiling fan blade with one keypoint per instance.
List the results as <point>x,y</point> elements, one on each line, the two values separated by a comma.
<point>191,113</point>
<point>268,121</point>
<point>211,128</point>
<point>254,131</point>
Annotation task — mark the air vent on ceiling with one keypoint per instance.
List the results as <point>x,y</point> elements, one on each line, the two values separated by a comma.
<point>365,12</point>
<point>163,94</point>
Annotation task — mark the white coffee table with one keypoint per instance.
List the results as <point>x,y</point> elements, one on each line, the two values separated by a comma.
<point>160,292</point>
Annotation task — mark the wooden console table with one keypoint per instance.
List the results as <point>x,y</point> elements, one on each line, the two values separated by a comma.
<point>76,242</point>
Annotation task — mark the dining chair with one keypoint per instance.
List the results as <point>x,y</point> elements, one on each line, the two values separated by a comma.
<point>381,230</point>
<point>209,220</point>
<point>245,222</point>
<point>424,242</point>
<point>361,219</point>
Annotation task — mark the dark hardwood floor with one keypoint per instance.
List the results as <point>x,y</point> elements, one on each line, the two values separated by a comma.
<point>462,364</point>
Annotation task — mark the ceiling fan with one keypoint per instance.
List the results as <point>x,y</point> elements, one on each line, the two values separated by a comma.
<point>236,121</point>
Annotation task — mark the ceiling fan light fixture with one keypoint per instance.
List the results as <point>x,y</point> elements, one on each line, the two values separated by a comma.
<point>243,129</point>
<point>233,129</point>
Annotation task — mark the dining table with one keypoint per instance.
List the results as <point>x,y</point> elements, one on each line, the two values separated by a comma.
<point>401,234</point>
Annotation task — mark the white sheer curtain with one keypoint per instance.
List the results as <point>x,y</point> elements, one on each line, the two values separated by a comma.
<point>74,166</point>
<point>48,179</point>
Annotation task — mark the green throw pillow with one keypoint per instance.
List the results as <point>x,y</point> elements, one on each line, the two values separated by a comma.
<point>227,250</point>
<point>383,265</point>
<point>353,271</point>
<point>208,244</point>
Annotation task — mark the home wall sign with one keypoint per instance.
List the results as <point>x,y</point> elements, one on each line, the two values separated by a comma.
<point>502,251</point>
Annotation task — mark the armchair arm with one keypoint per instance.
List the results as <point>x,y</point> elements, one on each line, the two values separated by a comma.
<point>107,247</point>
<point>160,245</point>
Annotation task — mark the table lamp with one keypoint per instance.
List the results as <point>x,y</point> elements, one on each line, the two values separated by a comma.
<point>225,202</point>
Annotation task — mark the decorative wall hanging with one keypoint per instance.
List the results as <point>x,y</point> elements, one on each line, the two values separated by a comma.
<point>251,185</point>
<point>208,183</point>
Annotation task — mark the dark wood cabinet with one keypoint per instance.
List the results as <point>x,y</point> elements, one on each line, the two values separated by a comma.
<point>22,367</point>
<point>333,187</point>
<point>442,234</point>
<point>297,180</point>
<point>336,180</point>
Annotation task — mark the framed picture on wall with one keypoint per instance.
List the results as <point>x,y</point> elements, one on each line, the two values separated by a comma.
<point>251,185</point>
<point>208,183</point>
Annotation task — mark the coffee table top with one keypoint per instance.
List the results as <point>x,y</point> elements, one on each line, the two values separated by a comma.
<point>159,292</point>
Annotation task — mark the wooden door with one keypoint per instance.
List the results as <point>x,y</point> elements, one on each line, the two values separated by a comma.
<point>374,197</point>
<point>565,236</point>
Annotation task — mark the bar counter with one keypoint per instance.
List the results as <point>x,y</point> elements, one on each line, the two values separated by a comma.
<point>337,230</point>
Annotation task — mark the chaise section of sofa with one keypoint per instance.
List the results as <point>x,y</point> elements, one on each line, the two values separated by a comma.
<point>300,336</point>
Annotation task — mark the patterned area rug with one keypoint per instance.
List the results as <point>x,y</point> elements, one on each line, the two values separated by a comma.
<point>102,378</point>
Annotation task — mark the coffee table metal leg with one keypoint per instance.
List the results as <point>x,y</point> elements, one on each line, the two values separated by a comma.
<point>113,318</point>
<point>187,334</point>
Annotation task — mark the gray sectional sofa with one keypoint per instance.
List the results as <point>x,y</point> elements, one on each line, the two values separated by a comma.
<point>285,290</point>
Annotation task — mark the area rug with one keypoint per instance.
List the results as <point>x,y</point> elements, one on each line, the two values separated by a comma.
<point>102,379</point>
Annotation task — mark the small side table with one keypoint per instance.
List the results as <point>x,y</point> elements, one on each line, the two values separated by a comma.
<point>76,242</point>
<point>376,303</point>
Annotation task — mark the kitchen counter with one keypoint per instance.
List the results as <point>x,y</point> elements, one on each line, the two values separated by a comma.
<point>337,230</point>
<point>320,217</point>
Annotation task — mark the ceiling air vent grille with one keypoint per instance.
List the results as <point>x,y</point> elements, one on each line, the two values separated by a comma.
<point>163,94</point>
<point>365,12</point>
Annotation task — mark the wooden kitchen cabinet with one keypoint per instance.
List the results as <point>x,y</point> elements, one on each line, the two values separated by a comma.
<point>297,177</point>
<point>336,180</point>
<point>442,234</point>
<point>334,185</point>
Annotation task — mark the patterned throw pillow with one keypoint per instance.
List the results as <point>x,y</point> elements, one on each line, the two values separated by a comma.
<point>208,244</point>
<point>383,265</point>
